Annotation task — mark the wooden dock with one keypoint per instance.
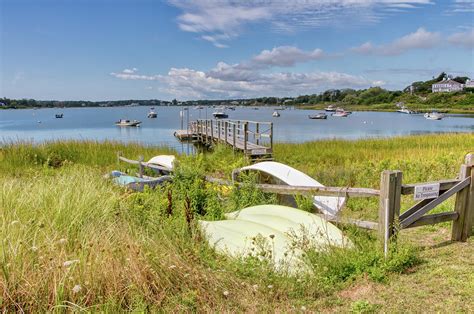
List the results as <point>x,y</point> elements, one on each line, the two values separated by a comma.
<point>254,139</point>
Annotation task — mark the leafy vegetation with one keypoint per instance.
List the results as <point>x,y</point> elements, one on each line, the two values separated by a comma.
<point>71,240</point>
<point>418,95</point>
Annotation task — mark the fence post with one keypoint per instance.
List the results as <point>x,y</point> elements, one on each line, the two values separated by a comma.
<point>464,206</point>
<point>271,136</point>
<point>226,125</point>
<point>389,205</point>
<point>233,136</point>
<point>245,137</point>
<point>212,132</point>
<point>257,134</point>
<point>218,131</point>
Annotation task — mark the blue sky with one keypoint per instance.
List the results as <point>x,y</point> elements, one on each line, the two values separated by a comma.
<point>143,49</point>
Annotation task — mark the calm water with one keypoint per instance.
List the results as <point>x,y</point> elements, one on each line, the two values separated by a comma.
<point>292,126</point>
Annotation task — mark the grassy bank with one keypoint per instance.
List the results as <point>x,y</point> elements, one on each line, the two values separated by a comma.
<point>73,240</point>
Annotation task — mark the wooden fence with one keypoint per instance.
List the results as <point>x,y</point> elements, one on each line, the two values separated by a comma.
<point>390,220</point>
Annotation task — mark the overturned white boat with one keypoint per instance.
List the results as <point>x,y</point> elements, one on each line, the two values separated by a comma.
<point>165,161</point>
<point>276,232</point>
<point>283,174</point>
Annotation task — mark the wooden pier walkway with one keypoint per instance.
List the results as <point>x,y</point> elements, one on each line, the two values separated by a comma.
<point>254,139</point>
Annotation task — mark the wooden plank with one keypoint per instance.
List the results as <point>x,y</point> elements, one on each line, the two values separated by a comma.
<point>434,219</point>
<point>370,225</point>
<point>414,208</point>
<point>435,202</point>
<point>305,190</point>
<point>443,185</point>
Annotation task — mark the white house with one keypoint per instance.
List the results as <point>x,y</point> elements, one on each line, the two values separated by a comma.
<point>469,84</point>
<point>446,85</point>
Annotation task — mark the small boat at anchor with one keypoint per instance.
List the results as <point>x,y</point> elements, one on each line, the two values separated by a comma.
<point>330,108</point>
<point>59,116</point>
<point>275,114</point>
<point>341,113</point>
<point>405,110</point>
<point>126,122</point>
<point>220,114</point>
<point>433,115</point>
<point>318,116</point>
<point>152,114</point>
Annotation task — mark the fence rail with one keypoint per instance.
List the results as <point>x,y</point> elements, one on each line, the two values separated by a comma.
<point>390,220</point>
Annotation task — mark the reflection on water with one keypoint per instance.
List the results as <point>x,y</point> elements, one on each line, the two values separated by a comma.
<point>292,126</point>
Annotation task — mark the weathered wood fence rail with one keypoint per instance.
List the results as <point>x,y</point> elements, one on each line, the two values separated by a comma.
<point>390,220</point>
<point>253,138</point>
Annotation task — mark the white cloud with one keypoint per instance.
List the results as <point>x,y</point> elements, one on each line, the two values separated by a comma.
<point>251,78</point>
<point>130,71</point>
<point>131,74</point>
<point>228,17</point>
<point>286,56</point>
<point>463,39</point>
<point>192,84</point>
<point>421,39</point>
<point>462,6</point>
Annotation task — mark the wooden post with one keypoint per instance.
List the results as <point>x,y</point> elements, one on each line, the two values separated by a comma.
<point>389,205</point>
<point>206,133</point>
<point>218,131</point>
<point>464,206</point>
<point>226,125</point>
<point>140,165</point>
<point>233,136</point>
<point>257,135</point>
<point>212,131</point>
<point>271,136</point>
<point>245,137</point>
<point>238,127</point>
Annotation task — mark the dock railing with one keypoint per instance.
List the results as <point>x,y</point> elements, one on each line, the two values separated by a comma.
<point>251,137</point>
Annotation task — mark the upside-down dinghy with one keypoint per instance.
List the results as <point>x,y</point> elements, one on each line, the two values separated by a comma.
<point>275,231</point>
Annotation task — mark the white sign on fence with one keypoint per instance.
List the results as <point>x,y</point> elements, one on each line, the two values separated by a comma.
<point>426,191</point>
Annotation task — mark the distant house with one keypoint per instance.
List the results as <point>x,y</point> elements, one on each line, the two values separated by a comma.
<point>446,86</point>
<point>469,84</point>
<point>2,104</point>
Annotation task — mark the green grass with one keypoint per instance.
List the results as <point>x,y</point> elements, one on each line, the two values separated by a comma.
<point>72,240</point>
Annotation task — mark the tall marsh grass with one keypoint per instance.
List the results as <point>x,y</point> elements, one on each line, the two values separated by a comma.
<point>71,240</point>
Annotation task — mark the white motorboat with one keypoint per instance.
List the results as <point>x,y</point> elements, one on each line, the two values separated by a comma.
<point>330,108</point>
<point>126,122</point>
<point>220,114</point>
<point>340,112</point>
<point>276,114</point>
<point>433,115</point>
<point>318,116</point>
<point>152,114</point>
<point>404,109</point>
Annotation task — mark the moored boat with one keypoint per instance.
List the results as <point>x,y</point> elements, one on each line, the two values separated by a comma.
<point>405,110</point>
<point>276,114</point>
<point>330,108</point>
<point>126,122</point>
<point>433,115</point>
<point>220,114</point>
<point>318,116</point>
<point>340,112</point>
<point>152,114</point>
<point>59,116</point>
